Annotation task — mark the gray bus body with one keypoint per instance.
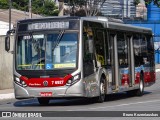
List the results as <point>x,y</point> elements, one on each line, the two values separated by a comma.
<point>63,57</point>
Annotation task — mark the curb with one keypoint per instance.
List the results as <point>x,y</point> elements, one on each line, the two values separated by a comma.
<point>7,96</point>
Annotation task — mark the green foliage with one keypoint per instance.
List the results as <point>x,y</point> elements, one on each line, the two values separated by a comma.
<point>76,2</point>
<point>136,2</point>
<point>46,7</point>
<point>147,2</point>
<point>4,4</point>
<point>43,7</point>
<point>20,4</point>
<point>156,2</point>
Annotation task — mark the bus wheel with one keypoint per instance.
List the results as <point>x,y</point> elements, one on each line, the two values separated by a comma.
<point>43,101</point>
<point>102,88</point>
<point>140,91</point>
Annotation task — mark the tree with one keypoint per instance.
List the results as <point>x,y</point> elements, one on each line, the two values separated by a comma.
<point>20,4</point>
<point>147,2</point>
<point>61,7</point>
<point>91,7</point>
<point>156,2</point>
<point>136,2</point>
<point>4,4</point>
<point>43,7</point>
<point>75,7</point>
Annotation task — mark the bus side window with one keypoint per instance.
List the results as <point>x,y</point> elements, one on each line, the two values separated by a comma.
<point>137,51</point>
<point>108,49</point>
<point>144,51</point>
<point>150,49</point>
<point>99,47</point>
<point>122,47</point>
<point>88,55</point>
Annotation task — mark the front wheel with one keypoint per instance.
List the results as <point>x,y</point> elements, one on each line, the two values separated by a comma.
<point>102,89</point>
<point>43,101</point>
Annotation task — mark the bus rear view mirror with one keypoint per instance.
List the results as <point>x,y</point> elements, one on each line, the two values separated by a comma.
<point>7,43</point>
<point>7,40</point>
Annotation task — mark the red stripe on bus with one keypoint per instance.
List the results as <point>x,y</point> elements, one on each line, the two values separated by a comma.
<point>149,77</point>
<point>125,79</point>
<point>46,82</point>
<point>137,79</point>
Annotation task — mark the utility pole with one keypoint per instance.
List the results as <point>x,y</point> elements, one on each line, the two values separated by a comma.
<point>10,7</point>
<point>61,7</point>
<point>30,8</point>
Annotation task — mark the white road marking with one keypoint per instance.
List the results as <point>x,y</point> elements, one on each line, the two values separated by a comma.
<point>144,102</point>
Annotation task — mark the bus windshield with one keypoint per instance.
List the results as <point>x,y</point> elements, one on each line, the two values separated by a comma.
<point>56,50</point>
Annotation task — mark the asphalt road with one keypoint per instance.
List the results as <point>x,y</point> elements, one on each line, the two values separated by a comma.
<point>150,101</point>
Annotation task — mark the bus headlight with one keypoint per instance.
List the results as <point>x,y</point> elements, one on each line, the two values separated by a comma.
<point>69,82</point>
<point>73,80</point>
<point>17,80</point>
<point>24,84</point>
<point>20,82</point>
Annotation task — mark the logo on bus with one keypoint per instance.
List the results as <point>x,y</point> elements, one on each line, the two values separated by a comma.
<point>45,83</point>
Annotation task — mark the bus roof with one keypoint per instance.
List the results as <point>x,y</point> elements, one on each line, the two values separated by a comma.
<point>48,19</point>
<point>118,24</point>
<point>110,22</point>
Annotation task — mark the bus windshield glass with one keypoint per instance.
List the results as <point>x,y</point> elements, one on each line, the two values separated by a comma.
<point>56,50</point>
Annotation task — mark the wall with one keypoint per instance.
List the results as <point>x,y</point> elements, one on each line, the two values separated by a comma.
<point>4,27</point>
<point>6,65</point>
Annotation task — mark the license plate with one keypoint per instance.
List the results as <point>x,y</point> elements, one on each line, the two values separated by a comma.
<point>46,94</point>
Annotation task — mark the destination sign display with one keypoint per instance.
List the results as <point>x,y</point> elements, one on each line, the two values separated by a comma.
<point>48,25</point>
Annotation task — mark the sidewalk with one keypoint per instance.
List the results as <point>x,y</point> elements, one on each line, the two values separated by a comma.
<point>9,93</point>
<point>158,68</point>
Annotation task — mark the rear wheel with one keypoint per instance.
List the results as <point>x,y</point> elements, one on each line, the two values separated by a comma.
<point>43,101</point>
<point>140,90</point>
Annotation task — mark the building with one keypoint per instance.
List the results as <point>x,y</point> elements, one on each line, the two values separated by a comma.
<point>119,8</point>
<point>15,16</point>
<point>141,11</point>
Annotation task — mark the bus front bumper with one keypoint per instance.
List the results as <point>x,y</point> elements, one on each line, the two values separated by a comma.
<point>75,90</point>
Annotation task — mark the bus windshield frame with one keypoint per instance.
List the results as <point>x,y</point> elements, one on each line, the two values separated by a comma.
<point>47,50</point>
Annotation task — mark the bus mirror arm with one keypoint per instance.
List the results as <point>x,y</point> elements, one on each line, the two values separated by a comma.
<point>12,52</point>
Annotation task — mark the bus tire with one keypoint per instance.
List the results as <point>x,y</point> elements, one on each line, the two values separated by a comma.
<point>43,101</point>
<point>102,89</point>
<point>140,91</point>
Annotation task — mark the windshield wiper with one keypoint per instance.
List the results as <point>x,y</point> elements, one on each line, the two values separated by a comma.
<point>58,40</point>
